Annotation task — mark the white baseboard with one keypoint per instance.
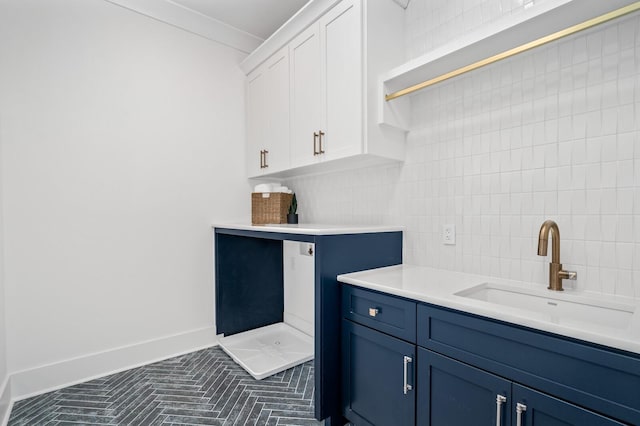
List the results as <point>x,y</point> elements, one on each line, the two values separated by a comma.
<point>5,401</point>
<point>47,378</point>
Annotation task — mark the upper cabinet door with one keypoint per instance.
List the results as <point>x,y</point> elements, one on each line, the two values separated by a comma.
<point>306,97</point>
<point>256,120</point>
<point>268,116</point>
<point>342,82</point>
<point>277,112</point>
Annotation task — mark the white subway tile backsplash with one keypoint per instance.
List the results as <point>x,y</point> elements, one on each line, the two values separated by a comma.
<point>609,151</point>
<point>609,224</point>
<point>625,178</point>
<point>624,255</point>
<point>624,231</point>
<point>625,201</point>
<point>553,133</point>
<point>578,176</point>
<point>594,178</point>
<point>626,146</point>
<point>609,171</point>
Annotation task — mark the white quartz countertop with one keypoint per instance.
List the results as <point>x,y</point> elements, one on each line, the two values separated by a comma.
<point>439,287</point>
<point>310,228</point>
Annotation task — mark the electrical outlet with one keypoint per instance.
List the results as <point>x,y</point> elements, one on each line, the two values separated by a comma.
<point>449,234</point>
<point>306,249</point>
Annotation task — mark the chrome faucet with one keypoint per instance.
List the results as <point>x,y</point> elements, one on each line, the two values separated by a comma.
<point>556,273</point>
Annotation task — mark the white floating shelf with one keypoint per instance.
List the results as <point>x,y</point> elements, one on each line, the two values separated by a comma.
<point>502,35</point>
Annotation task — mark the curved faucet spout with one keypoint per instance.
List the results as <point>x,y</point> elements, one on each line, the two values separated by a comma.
<point>556,273</point>
<point>549,227</point>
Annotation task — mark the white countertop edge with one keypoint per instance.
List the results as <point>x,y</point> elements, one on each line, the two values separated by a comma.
<point>311,228</point>
<point>375,280</point>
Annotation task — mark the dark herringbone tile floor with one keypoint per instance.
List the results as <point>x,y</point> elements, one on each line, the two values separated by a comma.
<point>200,388</point>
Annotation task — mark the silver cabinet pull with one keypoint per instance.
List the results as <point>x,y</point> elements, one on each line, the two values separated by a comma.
<point>373,312</point>
<point>407,387</point>
<point>500,399</point>
<point>520,408</point>
<point>320,135</point>
<point>315,143</point>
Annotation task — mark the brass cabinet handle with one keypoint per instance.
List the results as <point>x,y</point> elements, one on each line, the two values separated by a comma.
<point>320,135</point>
<point>373,312</point>
<point>265,158</point>
<point>315,143</point>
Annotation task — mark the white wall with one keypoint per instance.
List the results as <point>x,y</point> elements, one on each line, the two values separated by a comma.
<point>552,133</point>
<point>5,393</point>
<point>122,139</point>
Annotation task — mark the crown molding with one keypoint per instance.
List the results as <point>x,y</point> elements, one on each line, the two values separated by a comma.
<point>194,22</point>
<point>306,16</point>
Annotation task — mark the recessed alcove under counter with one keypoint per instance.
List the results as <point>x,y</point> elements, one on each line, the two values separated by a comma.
<point>280,280</point>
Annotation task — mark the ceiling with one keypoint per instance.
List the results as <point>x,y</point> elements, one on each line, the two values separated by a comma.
<point>257,17</point>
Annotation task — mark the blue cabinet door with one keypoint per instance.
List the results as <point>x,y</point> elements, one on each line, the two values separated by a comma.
<point>373,373</point>
<point>539,409</point>
<point>451,393</point>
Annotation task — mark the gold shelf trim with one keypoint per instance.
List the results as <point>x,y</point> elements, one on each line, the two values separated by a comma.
<point>516,50</point>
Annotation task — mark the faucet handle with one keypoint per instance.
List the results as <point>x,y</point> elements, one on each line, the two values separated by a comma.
<point>568,275</point>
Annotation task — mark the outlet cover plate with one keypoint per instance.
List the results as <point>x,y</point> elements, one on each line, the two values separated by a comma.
<point>449,234</point>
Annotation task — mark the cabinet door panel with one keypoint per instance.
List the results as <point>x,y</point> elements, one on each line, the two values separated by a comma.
<point>545,410</point>
<point>373,377</point>
<point>451,393</point>
<point>304,54</point>
<point>268,116</point>
<point>391,315</point>
<point>256,119</point>
<point>277,112</point>
<point>341,46</point>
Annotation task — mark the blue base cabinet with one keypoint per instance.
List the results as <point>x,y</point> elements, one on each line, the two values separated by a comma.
<point>472,370</point>
<point>451,393</point>
<point>539,409</point>
<point>378,358</point>
<point>374,386</point>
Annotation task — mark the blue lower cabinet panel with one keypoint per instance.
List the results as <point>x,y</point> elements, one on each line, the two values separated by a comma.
<point>249,291</point>
<point>341,254</point>
<point>381,312</point>
<point>373,388</point>
<point>539,409</point>
<point>606,381</point>
<point>451,393</point>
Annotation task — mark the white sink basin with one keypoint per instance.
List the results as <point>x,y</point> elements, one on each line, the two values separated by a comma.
<point>559,307</point>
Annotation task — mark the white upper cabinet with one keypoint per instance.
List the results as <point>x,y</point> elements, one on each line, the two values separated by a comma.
<point>306,96</point>
<point>268,116</point>
<point>331,98</point>
<point>326,87</point>
<point>342,80</point>
<point>256,121</point>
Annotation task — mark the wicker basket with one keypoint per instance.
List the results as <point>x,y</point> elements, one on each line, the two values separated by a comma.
<point>269,207</point>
